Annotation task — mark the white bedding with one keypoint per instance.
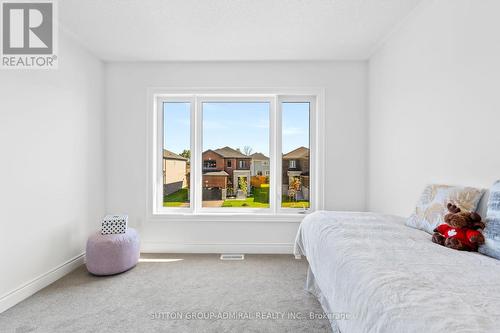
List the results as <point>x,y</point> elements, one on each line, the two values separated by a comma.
<point>388,277</point>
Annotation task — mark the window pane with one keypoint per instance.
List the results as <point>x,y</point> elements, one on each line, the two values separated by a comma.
<point>235,155</point>
<point>296,159</point>
<point>176,154</point>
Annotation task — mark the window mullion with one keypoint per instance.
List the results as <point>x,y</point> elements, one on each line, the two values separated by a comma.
<point>272,156</point>
<point>159,152</point>
<point>197,165</point>
<point>278,154</point>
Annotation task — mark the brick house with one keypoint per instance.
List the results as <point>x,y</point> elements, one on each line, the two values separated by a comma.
<point>222,169</point>
<point>295,164</point>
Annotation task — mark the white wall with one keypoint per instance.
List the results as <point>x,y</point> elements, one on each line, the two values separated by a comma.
<point>126,95</point>
<point>434,106</point>
<point>51,167</point>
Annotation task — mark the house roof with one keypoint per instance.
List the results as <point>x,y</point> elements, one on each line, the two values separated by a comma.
<point>301,152</point>
<point>168,155</point>
<point>216,173</point>
<point>259,156</point>
<point>228,152</point>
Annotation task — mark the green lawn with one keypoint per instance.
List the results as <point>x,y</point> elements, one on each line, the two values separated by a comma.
<point>247,203</point>
<point>259,199</point>
<point>176,199</point>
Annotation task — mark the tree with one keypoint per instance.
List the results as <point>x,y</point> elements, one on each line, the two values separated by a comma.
<point>243,185</point>
<point>294,188</point>
<point>186,153</point>
<point>247,150</point>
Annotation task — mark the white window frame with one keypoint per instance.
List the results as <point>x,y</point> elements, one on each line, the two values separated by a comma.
<point>315,152</point>
<point>158,162</point>
<point>154,204</point>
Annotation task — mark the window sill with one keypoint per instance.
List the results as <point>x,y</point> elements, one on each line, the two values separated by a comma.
<point>228,217</point>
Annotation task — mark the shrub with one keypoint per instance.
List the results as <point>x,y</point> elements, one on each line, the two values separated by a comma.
<point>261,194</point>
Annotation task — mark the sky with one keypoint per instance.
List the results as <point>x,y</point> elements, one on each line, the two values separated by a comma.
<point>235,125</point>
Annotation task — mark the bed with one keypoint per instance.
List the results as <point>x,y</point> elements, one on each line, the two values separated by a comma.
<point>371,273</point>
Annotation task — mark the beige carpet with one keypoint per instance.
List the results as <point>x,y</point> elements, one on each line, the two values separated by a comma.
<point>176,293</point>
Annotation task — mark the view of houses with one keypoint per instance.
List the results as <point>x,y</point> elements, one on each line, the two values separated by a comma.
<point>232,178</point>
<point>226,173</point>
<point>176,177</point>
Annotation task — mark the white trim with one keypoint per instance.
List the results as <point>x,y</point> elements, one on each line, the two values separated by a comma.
<point>196,213</point>
<point>26,290</point>
<point>225,91</point>
<point>265,248</point>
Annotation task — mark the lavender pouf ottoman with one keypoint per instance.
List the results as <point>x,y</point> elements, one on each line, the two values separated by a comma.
<point>112,254</point>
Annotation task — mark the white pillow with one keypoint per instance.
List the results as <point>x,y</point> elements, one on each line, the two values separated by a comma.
<point>431,208</point>
<point>491,233</point>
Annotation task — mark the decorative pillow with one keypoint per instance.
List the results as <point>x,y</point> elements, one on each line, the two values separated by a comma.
<point>431,207</point>
<point>491,232</point>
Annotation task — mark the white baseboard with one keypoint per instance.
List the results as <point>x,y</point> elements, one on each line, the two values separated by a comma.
<point>248,248</point>
<point>12,298</point>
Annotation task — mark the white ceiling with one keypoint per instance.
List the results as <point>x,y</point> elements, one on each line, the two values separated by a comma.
<point>184,30</point>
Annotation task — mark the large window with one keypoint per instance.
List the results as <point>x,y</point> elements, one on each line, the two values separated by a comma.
<point>236,153</point>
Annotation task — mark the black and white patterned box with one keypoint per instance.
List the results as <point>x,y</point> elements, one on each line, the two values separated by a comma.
<point>114,224</point>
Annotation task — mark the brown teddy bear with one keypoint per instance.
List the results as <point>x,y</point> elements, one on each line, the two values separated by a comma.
<point>460,231</point>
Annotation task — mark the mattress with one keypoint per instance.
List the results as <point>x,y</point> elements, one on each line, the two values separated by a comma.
<point>371,273</point>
